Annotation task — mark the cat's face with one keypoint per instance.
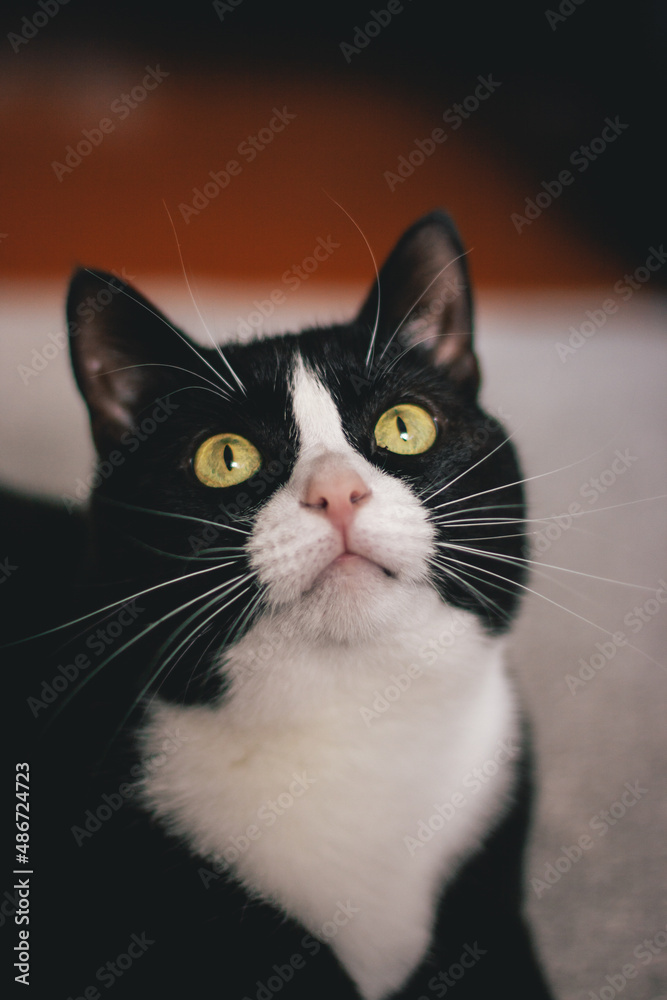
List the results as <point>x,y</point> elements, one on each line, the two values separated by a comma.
<point>326,478</point>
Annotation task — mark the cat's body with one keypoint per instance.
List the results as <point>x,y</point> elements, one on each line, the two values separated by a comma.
<point>311,562</point>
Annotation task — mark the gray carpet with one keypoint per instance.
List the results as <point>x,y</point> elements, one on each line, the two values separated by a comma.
<point>594,420</point>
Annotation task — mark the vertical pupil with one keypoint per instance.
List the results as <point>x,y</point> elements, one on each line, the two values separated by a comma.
<point>402,429</point>
<point>228,457</point>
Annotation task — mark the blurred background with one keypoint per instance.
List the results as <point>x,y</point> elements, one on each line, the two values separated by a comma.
<point>363,85</point>
<point>227,141</point>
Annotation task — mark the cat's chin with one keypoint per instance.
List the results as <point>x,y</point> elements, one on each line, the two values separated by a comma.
<point>352,600</point>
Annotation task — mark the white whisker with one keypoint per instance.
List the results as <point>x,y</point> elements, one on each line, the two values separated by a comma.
<point>241,580</point>
<point>135,638</point>
<point>216,346</point>
<point>193,633</point>
<point>166,322</point>
<point>470,469</point>
<point>569,611</point>
<point>157,364</point>
<point>169,513</point>
<point>536,562</point>
<point>115,604</point>
<point>371,347</point>
<point>489,602</point>
<point>420,297</point>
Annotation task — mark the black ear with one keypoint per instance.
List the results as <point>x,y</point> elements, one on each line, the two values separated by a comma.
<point>425,299</point>
<point>119,344</point>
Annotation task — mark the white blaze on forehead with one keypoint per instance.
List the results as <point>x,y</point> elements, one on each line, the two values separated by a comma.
<point>291,544</point>
<point>315,412</point>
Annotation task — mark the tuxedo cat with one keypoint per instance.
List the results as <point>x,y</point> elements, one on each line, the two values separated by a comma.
<point>294,764</point>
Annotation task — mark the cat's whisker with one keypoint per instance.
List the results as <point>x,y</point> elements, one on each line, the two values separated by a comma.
<point>112,605</point>
<point>371,346</point>
<point>503,486</point>
<point>215,344</point>
<point>197,629</point>
<point>411,347</point>
<point>538,568</point>
<point>597,510</point>
<point>465,568</point>
<point>236,582</point>
<point>87,678</point>
<point>490,538</point>
<point>235,552</point>
<point>240,622</point>
<point>202,388</point>
<point>466,472</point>
<point>450,520</point>
<point>529,533</point>
<point>525,534</point>
<point>155,364</point>
<point>519,482</point>
<point>447,517</point>
<point>536,562</point>
<point>562,607</point>
<point>213,590</point>
<point>215,551</point>
<point>170,513</point>
<point>447,525</point>
<point>447,521</point>
<point>483,598</point>
<point>495,489</point>
<point>192,635</point>
<point>475,509</point>
<point>166,322</point>
<point>516,561</point>
<point>197,663</point>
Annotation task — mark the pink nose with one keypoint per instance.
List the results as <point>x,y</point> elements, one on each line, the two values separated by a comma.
<point>337,492</point>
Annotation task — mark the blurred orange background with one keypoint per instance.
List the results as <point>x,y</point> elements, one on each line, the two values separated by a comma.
<point>219,72</point>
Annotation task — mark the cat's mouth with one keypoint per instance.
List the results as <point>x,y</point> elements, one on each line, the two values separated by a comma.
<point>351,563</point>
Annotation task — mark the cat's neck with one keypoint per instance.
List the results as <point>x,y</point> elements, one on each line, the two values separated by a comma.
<point>278,677</point>
<point>377,737</point>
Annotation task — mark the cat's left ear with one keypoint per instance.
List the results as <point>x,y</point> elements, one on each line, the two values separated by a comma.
<point>425,300</point>
<point>121,348</point>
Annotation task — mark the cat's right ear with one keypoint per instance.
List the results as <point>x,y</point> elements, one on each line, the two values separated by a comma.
<point>423,301</point>
<point>119,344</point>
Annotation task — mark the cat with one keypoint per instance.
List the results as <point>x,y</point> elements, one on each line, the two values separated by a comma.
<point>288,759</point>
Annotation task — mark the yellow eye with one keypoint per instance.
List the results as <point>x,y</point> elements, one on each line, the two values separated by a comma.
<point>226,460</point>
<point>406,430</point>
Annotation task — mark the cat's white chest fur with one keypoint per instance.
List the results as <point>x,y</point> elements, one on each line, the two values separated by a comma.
<point>320,799</point>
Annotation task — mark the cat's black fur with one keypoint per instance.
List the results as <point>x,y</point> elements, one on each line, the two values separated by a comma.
<point>150,520</point>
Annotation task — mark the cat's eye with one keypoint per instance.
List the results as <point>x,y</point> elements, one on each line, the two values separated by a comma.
<point>406,430</point>
<point>226,460</point>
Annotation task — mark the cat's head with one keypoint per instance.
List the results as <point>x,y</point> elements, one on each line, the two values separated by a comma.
<point>330,477</point>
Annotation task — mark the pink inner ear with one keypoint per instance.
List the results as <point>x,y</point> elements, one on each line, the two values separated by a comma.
<point>451,347</point>
<point>452,351</point>
<point>464,368</point>
<point>447,347</point>
<point>117,414</point>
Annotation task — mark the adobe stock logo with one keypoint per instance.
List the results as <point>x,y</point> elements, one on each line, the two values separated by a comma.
<point>603,821</point>
<point>645,953</point>
<point>121,107</point>
<point>31,25</point>
<point>364,34</point>
<point>581,158</point>
<point>249,149</point>
<point>566,9</point>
